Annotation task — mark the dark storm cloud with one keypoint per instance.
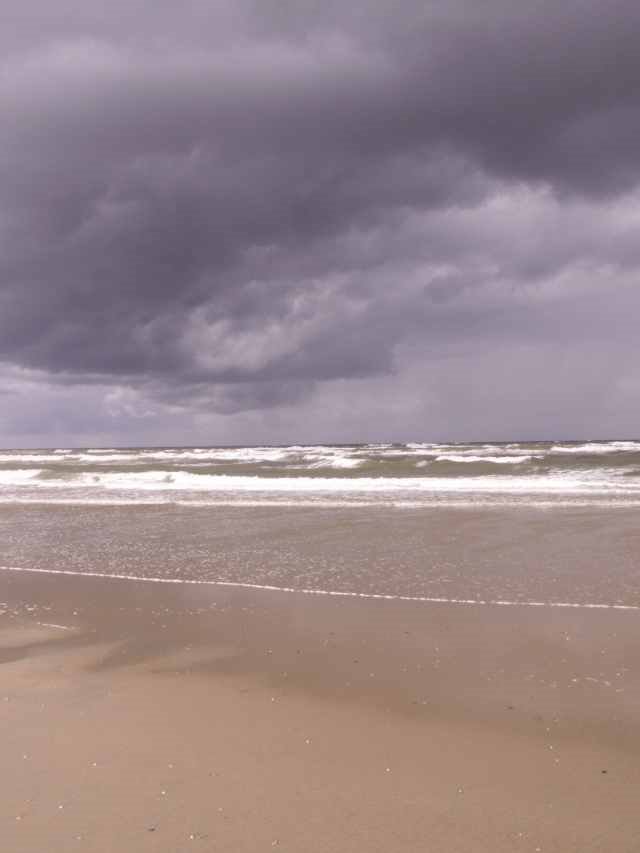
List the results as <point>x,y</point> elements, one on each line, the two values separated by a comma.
<point>224,205</point>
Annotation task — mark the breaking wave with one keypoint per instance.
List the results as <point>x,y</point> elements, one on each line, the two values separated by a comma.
<point>417,473</point>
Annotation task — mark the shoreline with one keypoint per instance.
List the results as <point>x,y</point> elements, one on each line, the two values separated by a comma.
<point>331,593</point>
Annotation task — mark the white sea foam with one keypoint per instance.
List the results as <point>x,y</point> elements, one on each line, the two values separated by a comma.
<point>342,456</point>
<point>311,457</point>
<point>19,476</point>
<point>241,454</point>
<point>498,460</point>
<point>119,458</point>
<point>356,502</point>
<point>386,454</point>
<point>473,452</point>
<point>594,482</point>
<point>337,462</point>
<point>425,599</point>
<point>597,448</point>
<point>175,475</point>
<point>29,457</point>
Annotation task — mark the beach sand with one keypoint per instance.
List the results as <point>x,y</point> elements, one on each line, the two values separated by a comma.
<point>146,717</point>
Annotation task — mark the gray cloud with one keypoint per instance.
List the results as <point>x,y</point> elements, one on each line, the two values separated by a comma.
<point>228,208</point>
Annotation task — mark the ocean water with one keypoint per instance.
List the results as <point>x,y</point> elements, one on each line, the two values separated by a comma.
<point>523,523</point>
<point>593,473</point>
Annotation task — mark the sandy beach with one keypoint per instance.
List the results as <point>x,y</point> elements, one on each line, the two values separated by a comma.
<point>143,716</point>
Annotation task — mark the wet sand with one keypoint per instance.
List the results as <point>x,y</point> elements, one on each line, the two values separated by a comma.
<point>137,716</point>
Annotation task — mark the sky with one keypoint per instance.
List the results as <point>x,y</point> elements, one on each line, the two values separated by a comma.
<point>244,222</point>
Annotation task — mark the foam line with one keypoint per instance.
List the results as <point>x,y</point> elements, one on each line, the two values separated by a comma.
<point>490,501</point>
<point>330,592</point>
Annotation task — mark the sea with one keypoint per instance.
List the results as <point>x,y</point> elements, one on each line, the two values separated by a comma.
<point>402,475</point>
<point>552,523</point>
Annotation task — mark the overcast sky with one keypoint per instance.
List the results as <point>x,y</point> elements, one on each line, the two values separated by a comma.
<point>297,221</point>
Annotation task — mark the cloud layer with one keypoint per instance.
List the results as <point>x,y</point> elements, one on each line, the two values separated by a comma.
<point>241,221</point>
